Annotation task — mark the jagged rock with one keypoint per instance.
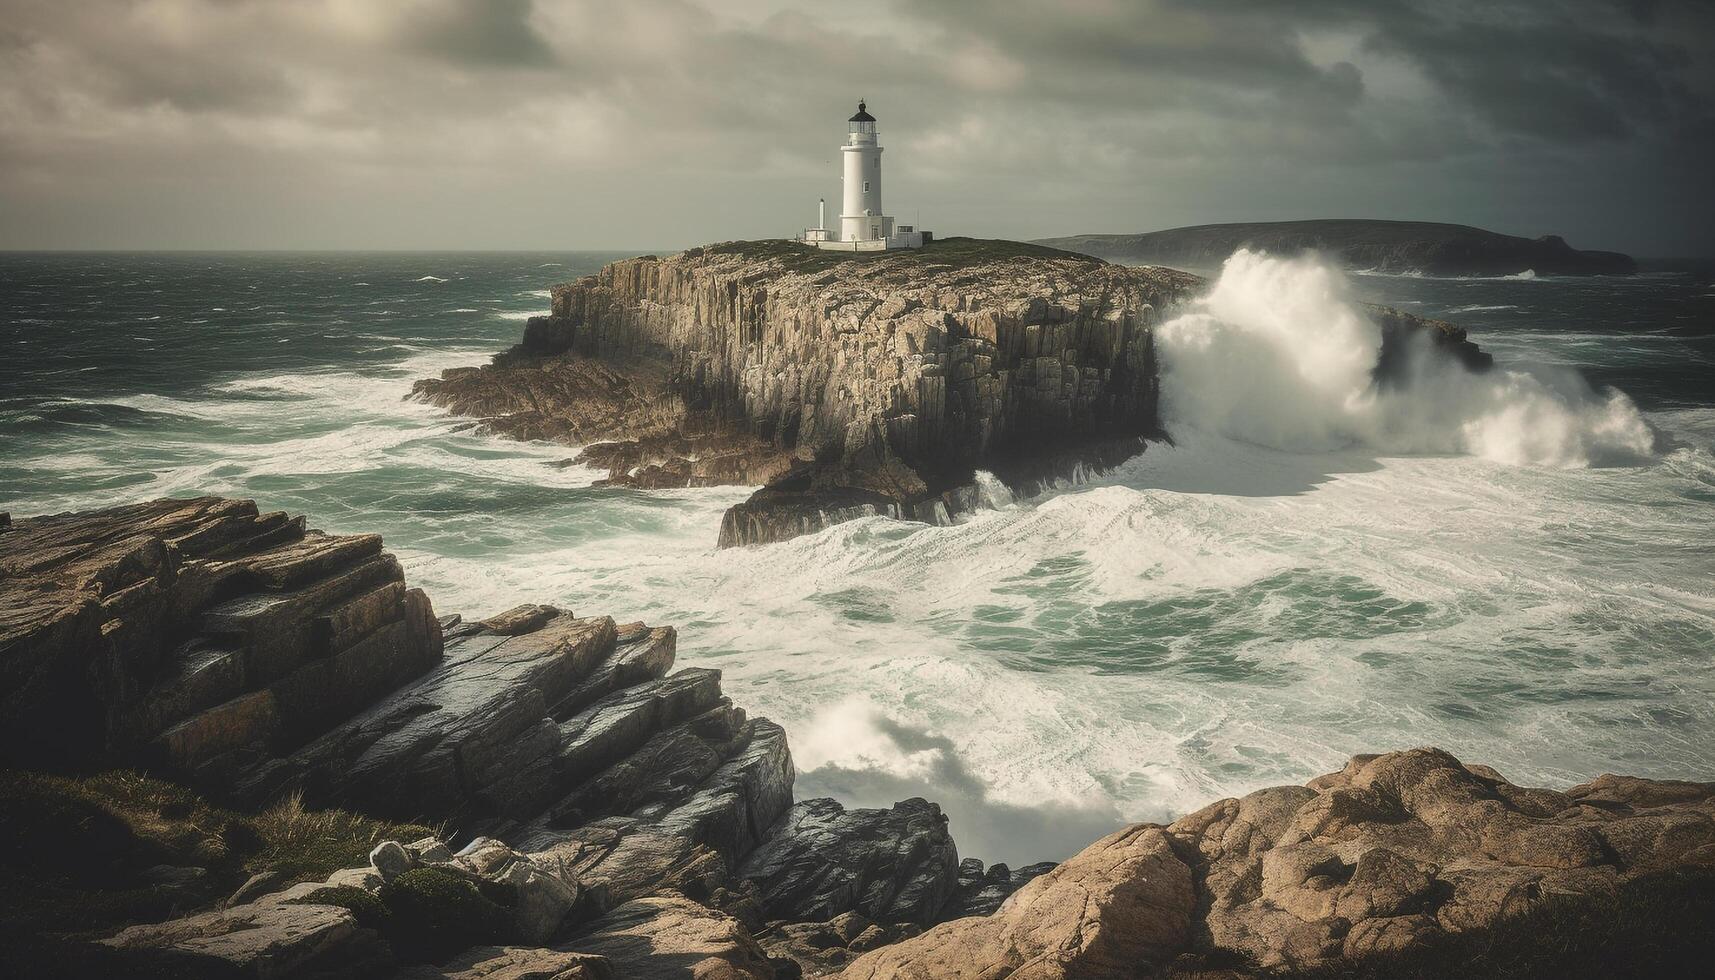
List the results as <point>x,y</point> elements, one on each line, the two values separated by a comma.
<point>1397,848</point>
<point>1117,908</point>
<point>288,631</point>
<point>980,892</point>
<point>519,620</point>
<point>670,938</point>
<point>821,860</point>
<point>471,737</point>
<point>515,963</point>
<point>627,859</point>
<point>265,940</point>
<point>822,948</point>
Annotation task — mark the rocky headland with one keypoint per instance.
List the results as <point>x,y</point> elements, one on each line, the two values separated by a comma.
<point>540,794</point>
<point>1425,247</point>
<point>849,385</point>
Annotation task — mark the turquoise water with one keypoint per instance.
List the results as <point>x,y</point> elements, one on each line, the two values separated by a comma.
<point>1215,616</point>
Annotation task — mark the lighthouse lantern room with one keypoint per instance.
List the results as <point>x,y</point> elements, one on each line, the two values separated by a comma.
<point>863,226</point>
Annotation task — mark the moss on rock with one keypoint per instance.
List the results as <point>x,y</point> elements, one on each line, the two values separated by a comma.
<point>432,914</point>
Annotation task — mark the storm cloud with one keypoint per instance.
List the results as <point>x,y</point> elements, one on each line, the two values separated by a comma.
<point>663,123</point>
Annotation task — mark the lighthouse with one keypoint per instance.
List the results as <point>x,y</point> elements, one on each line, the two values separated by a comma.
<point>861,218</point>
<point>863,226</point>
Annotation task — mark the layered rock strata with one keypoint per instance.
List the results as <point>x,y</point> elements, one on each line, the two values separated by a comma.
<point>258,659</point>
<point>848,385</point>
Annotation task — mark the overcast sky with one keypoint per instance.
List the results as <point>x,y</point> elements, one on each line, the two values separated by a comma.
<point>639,124</point>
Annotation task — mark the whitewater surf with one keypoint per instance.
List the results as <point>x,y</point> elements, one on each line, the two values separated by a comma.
<point>1512,565</point>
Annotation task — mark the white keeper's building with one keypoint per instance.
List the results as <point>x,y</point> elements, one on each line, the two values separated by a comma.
<point>863,227</point>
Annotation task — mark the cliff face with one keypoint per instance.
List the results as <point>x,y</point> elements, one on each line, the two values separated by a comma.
<point>850,385</point>
<point>873,384</point>
<point>1385,246</point>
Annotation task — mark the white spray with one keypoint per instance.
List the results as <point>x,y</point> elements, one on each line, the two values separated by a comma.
<point>1279,353</point>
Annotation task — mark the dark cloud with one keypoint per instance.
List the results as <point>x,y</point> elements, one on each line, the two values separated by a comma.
<point>658,123</point>
<point>495,33</point>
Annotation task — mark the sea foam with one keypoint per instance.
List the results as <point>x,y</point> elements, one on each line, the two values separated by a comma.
<point>1280,353</point>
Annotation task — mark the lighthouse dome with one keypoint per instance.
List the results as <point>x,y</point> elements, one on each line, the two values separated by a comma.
<point>862,115</point>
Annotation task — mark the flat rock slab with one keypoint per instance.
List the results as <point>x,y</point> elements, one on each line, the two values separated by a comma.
<point>672,938</point>
<point>264,940</point>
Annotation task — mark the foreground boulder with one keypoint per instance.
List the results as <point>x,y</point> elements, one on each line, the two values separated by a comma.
<point>1395,849</point>
<point>1122,907</point>
<point>1392,856</point>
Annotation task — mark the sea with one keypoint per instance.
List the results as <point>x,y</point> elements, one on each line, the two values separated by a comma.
<point>1518,567</point>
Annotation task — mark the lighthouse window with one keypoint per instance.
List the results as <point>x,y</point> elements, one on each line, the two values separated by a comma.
<point>866,187</point>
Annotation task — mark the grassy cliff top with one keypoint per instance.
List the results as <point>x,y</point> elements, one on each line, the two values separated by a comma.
<point>948,253</point>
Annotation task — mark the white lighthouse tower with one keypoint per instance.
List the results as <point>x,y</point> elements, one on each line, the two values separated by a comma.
<point>863,226</point>
<point>861,218</point>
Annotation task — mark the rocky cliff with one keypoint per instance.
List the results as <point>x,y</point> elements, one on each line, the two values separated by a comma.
<point>254,659</point>
<point>846,385</point>
<point>603,815</point>
<point>1426,247</point>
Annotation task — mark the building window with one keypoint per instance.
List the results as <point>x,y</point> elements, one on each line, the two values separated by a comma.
<point>866,187</point>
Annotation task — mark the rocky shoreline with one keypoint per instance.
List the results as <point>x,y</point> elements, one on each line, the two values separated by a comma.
<point>845,385</point>
<point>603,815</point>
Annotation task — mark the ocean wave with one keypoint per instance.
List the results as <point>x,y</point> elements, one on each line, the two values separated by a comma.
<point>1481,308</point>
<point>1279,353</point>
<point>516,314</point>
<point>429,279</point>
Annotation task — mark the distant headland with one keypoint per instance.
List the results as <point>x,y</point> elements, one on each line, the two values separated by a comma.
<point>1428,247</point>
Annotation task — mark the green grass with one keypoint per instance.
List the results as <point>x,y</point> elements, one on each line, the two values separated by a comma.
<point>72,850</point>
<point>944,253</point>
<point>426,914</point>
